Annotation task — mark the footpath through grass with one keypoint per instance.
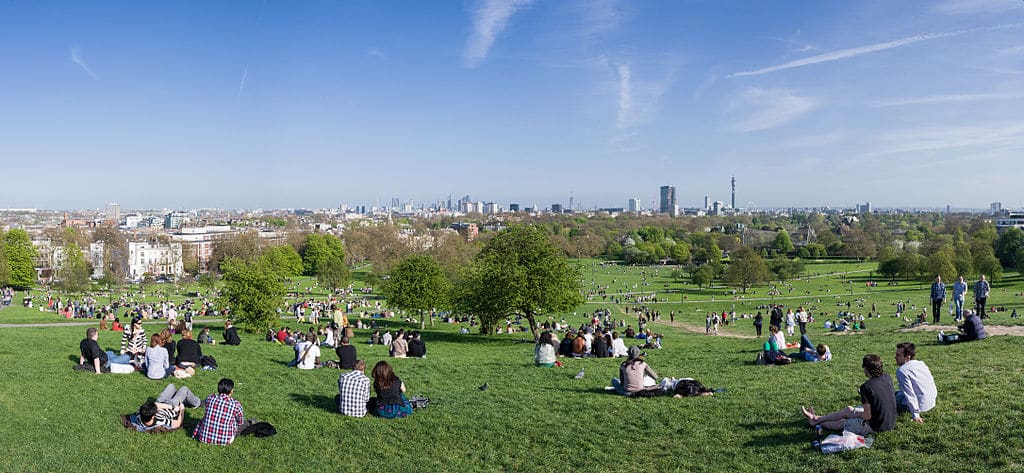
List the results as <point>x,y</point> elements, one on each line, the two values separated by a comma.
<point>531,419</point>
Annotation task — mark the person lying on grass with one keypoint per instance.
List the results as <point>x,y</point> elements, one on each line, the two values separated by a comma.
<point>808,352</point>
<point>877,412</point>
<point>167,412</point>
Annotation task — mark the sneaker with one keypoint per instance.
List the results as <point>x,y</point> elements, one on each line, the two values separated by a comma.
<point>942,335</point>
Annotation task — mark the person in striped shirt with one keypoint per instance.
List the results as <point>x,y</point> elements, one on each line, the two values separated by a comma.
<point>223,417</point>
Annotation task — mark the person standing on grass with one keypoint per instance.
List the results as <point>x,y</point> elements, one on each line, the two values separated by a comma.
<point>917,387</point>
<point>938,296</point>
<point>790,322</point>
<point>802,318</point>
<point>758,322</point>
<point>981,291</point>
<point>877,412</point>
<point>223,417</point>
<point>959,291</point>
<point>94,357</point>
<point>353,391</point>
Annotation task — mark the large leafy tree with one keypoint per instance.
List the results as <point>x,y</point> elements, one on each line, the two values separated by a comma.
<point>746,269</point>
<point>519,271</point>
<point>320,248</point>
<point>418,284</point>
<point>21,257</point>
<point>283,259</point>
<point>253,292</point>
<point>782,243</point>
<point>703,275</point>
<point>74,271</point>
<point>333,274</point>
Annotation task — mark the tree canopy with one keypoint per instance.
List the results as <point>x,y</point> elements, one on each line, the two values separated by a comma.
<point>418,284</point>
<point>519,271</point>
<point>746,269</point>
<point>21,258</point>
<point>333,274</point>
<point>319,249</point>
<point>253,292</point>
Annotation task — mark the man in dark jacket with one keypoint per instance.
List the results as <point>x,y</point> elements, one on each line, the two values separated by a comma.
<point>972,330</point>
<point>231,334</point>
<point>346,353</point>
<point>417,349</point>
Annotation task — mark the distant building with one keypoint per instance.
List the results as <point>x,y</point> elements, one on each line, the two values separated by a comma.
<point>96,259</point>
<point>490,208</point>
<point>634,205</point>
<point>995,208</point>
<point>513,207</point>
<point>556,208</point>
<point>469,231</point>
<point>175,220</point>
<point>114,213</point>
<point>154,258</point>
<point>668,199</point>
<point>864,208</point>
<point>717,207</point>
<point>1013,220</point>
<point>707,202</point>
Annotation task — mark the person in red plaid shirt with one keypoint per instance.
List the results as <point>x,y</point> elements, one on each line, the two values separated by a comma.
<point>223,417</point>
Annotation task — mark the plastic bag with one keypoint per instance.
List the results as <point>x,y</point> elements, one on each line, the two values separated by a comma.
<point>847,441</point>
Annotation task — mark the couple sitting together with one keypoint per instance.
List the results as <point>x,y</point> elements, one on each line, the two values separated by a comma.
<point>636,378</point>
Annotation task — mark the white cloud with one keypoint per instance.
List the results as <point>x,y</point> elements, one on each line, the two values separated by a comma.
<point>601,16</point>
<point>871,48</point>
<point>76,57</point>
<point>1011,51</point>
<point>771,108</point>
<point>949,98</point>
<point>971,7</point>
<point>992,137</point>
<point>375,53</point>
<point>490,18</point>
<point>625,95</point>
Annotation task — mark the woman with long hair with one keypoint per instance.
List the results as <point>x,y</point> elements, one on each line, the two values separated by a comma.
<point>390,390</point>
<point>157,360</point>
<point>133,342</point>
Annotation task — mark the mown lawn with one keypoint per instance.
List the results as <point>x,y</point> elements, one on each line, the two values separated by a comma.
<point>530,419</point>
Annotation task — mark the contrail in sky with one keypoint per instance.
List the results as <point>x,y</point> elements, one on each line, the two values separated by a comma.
<point>241,85</point>
<point>76,57</point>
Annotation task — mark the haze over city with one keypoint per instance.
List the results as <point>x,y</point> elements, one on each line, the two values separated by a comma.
<point>315,104</point>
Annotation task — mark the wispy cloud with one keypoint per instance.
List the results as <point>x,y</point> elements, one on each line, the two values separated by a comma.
<point>601,16</point>
<point>625,95</point>
<point>241,83</point>
<point>375,53</point>
<point>489,19</point>
<point>871,48</point>
<point>771,108</point>
<point>971,7</point>
<point>949,98</point>
<point>76,57</point>
<point>1011,51</point>
<point>994,136</point>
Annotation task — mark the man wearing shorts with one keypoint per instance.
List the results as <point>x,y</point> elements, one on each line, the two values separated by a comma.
<point>877,412</point>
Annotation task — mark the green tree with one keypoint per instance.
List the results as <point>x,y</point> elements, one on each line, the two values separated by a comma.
<point>989,266</point>
<point>21,258</point>
<point>679,252</point>
<point>909,264</point>
<point>782,243</point>
<point>962,259</point>
<point>678,274</point>
<point>519,271</point>
<point>785,268</point>
<point>74,271</point>
<point>318,249</point>
<point>941,264</point>
<point>418,284</point>
<point>5,267</point>
<point>333,274</point>
<point>1007,245</point>
<point>702,276</point>
<point>704,248</point>
<point>746,269</point>
<point>244,246</point>
<point>253,292</point>
<point>283,259</point>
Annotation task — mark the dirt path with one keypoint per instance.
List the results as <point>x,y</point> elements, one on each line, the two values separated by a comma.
<point>693,328</point>
<point>96,323</point>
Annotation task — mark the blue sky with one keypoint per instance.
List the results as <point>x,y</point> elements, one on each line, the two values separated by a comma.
<point>313,104</point>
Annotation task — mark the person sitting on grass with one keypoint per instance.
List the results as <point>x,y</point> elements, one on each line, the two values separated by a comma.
<point>808,352</point>
<point>565,346</point>
<point>400,346</point>
<point>307,353</point>
<point>189,352</point>
<point>544,351</point>
<point>166,413</point>
<point>346,354</point>
<point>635,375</point>
<point>231,334</point>
<point>877,412</point>
<point>917,386</point>
<point>618,346</point>
<point>94,358</point>
<point>390,402</point>
<point>972,330</point>
<point>157,360</point>
<point>224,417</point>
<point>353,391</point>
<point>417,349</point>
<point>773,350</point>
<point>579,345</point>
<point>133,342</point>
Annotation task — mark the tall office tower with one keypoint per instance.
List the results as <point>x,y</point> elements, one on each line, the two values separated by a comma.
<point>734,192</point>
<point>995,207</point>
<point>114,212</point>
<point>707,202</point>
<point>634,205</point>
<point>668,199</point>
<point>449,202</point>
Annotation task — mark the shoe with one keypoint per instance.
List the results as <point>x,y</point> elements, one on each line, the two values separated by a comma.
<point>942,335</point>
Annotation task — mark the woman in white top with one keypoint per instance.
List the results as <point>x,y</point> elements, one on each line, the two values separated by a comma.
<point>618,346</point>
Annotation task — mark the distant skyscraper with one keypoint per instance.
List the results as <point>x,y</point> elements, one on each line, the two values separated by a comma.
<point>556,208</point>
<point>733,192</point>
<point>114,212</point>
<point>634,205</point>
<point>668,199</point>
<point>513,207</point>
<point>707,202</point>
<point>995,207</point>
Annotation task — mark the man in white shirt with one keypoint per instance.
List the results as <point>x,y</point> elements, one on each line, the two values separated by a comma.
<point>917,391</point>
<point>309,353</point>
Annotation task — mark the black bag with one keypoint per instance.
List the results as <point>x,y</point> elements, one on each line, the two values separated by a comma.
<point>259,429</point>
<point>419,402</point>
<point>690,387</point>
<point>208,361</point>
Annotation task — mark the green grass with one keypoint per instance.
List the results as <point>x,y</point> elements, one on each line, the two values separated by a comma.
<point>531,419</point>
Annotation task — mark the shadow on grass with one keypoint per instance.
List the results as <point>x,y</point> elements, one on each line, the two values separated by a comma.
<point>326,403</point>
<point>796,432</point>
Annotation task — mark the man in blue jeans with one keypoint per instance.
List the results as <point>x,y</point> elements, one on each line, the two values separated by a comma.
<point>959,292</point>
<point>93,356</point>
<point>938,295</point>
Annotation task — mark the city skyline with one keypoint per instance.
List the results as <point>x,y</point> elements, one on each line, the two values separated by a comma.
<point>280,105</point>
